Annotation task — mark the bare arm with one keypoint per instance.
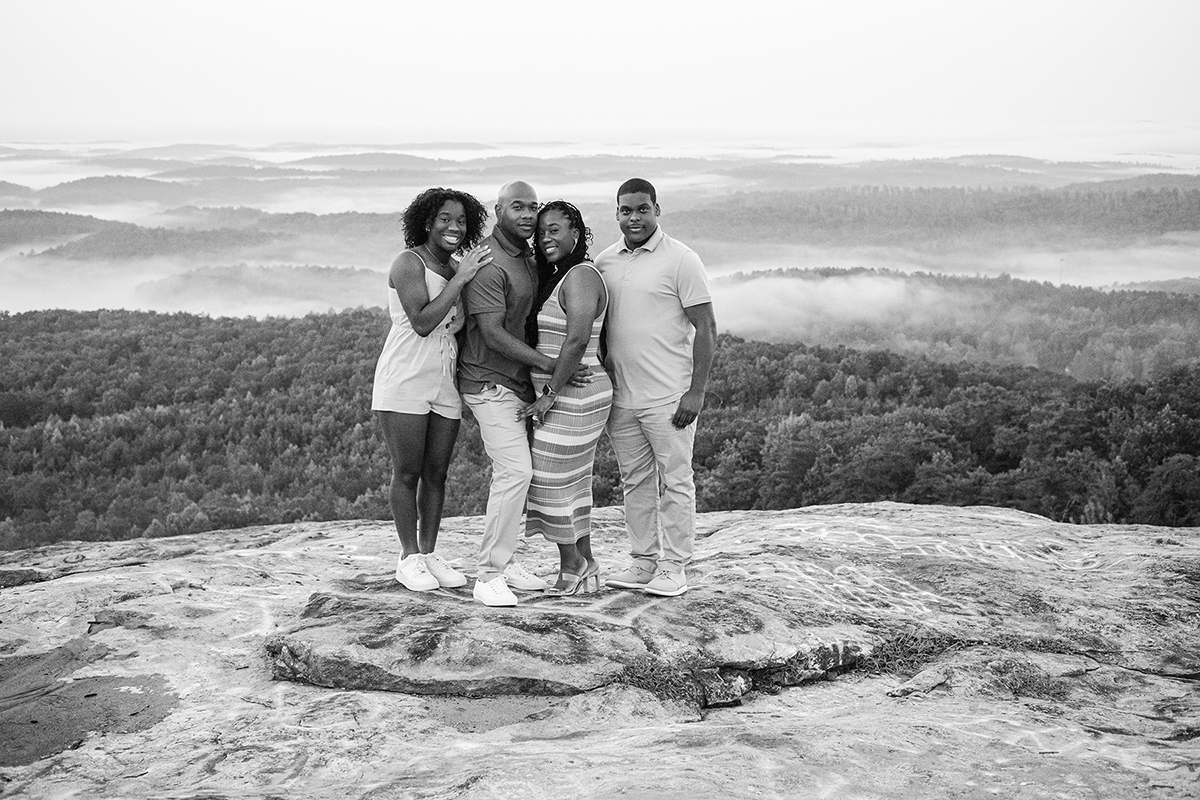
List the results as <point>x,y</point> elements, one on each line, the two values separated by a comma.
<point>407,279</point>
<point>491,327</point>
<point>702,318</point>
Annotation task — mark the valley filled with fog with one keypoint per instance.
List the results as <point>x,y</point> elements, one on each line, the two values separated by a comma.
<point>295,229</point>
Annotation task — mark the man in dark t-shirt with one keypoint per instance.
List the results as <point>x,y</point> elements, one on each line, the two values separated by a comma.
<point>493,376</point>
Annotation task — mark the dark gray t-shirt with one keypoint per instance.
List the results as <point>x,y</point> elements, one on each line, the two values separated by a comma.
<point>507,284</point>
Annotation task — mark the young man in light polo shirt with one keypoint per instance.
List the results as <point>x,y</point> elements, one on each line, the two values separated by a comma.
<point>493,376</point>
<point>661,334</point>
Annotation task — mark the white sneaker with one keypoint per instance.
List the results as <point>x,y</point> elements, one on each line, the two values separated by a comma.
<point>411,573</point>
<point>494,592</point>
<point>520,578</point>
<point>447,576</point>
<point>667,583</point>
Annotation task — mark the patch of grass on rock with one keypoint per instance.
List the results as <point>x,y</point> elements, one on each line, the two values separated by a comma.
<point>667,680</point>
<point>1026,680</point>
<point>906,652</point>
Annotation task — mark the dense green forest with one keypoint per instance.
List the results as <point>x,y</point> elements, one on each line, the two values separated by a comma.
<point>119,424</point>
<point>797,425</point>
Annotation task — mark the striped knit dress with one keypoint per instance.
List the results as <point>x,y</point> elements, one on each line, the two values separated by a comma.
<point>564,446</point>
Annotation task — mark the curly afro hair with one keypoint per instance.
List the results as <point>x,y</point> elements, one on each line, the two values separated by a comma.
<point>419,215</point>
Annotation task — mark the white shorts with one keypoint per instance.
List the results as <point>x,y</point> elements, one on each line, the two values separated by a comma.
<point>444,402</point>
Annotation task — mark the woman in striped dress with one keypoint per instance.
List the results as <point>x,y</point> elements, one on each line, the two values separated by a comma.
<point>567,419</point>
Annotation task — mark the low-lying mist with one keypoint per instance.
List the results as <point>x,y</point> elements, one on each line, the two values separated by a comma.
<point>1171,257</point>
<point>314,272</point>
<point>825,310</point>
<point>1084,332</point>
<point>170,285</point>
<point>235,231</point>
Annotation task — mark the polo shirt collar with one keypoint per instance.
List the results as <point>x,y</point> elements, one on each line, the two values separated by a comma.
<point>650,244</point>
<point>508,245</point>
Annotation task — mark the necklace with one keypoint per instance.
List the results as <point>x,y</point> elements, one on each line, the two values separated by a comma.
<point>437,260</point>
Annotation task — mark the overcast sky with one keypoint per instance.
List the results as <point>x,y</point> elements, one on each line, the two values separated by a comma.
<point>505,70</point>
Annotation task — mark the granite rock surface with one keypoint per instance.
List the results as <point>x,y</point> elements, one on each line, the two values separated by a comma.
<point>876,650</point>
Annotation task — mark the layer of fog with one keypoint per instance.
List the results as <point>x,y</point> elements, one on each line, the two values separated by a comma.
<point>1176,256</point>
<point>769,307</point>
<point>170,285</point>
<point>597,198</point>
<point>818,310</point>
<point>33,283</point>
<point>44,173</point>
<point>1173,145</point>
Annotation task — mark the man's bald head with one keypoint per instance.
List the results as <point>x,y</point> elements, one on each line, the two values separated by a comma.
<point>516,189</point>
<point>516,210</point>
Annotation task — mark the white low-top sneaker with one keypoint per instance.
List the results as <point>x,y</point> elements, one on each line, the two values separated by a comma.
<point>494,592</point>
<point>635,576</point>
<point>667,583</point>
<point>520,578</point>
<point>447,576</point>
<point>411,573</point>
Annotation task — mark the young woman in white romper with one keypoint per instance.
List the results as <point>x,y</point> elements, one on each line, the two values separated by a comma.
<point>414,395</point>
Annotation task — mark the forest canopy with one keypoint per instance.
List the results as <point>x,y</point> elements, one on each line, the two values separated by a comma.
<point>119,424</point>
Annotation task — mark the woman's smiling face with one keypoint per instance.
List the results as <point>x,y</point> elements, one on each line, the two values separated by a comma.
<point>555,235</point>
<point>448,226</point>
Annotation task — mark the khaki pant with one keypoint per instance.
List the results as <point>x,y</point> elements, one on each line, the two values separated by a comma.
<point>655,459</point>
<point>507,445</point>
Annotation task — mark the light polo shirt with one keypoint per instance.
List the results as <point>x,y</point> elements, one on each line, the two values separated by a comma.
<point>507,284</point>
<point>649,335</point>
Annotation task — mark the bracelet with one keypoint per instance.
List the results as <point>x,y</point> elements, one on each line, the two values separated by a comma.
<point>548,392</point>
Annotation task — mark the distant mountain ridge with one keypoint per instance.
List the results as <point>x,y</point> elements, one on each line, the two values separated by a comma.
<point>198,235</point>
<point>15,190</point>
<point>371,161</point>
<point>919,216</point>
<point>192,206</point>
<point>209,171</point>
<point>1178,286</point>
<point>1157,180</point>
<point>219,175</point>
<point>116,188</point>
<point>134,242</point>
<point>22,226</point>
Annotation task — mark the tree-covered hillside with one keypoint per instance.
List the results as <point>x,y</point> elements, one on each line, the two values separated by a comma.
<point>19,227</point>
<point>119,424</point>
<point>797,425</point>
<point>204,233</point>
<point>1086,333</point>
<point>944,216</point>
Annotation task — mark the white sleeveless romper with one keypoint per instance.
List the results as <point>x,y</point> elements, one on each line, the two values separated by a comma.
<point>415,374</point>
